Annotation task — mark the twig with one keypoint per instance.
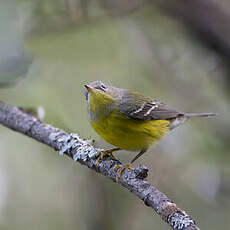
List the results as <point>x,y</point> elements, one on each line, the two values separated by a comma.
<point>82,151</point>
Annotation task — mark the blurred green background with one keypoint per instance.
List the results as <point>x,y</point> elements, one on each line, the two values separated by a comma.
<point>48,50</point>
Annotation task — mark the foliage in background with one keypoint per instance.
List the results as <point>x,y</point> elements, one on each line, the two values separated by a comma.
<point>71,43</point>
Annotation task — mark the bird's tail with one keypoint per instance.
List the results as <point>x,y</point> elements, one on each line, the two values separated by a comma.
<point>199,114</point>
<point>185,116</point>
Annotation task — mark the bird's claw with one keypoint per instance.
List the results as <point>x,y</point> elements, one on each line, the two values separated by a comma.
<point>102,154</point>
<point>121,168</point>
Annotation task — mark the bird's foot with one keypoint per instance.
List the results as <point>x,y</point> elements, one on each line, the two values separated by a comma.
<point>104,153</point>
<point>121,168</point>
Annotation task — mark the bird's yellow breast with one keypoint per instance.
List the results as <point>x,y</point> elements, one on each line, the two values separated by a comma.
<point>129,134</point>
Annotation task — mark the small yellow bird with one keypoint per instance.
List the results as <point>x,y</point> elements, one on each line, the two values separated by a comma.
<point>129,120</point>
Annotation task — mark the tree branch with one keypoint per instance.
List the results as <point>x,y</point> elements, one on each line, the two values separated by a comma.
<point>83,152</point>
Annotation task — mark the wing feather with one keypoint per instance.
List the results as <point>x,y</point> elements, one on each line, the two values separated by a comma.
<point>143,108</point>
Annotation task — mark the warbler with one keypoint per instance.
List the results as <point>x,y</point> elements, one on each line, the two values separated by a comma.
<point>129,120</point>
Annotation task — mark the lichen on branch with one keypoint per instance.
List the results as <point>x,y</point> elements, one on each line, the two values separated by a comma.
<point>84,152</point>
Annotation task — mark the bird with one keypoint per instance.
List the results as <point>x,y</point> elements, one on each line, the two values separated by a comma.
<point>129,120</point>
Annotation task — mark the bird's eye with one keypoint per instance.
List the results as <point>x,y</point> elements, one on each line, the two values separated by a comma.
<point>103,87</point>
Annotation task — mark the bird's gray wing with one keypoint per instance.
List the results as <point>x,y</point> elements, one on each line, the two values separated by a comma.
<point>142,108</point>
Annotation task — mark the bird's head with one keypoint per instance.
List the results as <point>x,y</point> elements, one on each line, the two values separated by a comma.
<point>100,96</point>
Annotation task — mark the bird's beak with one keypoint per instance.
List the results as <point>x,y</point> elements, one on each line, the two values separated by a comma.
<point>88,88</point>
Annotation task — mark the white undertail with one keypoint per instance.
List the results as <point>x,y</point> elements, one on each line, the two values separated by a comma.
<point>181,119</point>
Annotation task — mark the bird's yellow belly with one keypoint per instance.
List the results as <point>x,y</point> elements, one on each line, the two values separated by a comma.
<point>130,134</point>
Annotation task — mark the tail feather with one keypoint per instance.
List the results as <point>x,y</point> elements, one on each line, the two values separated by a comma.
<point>199,114</point>
<point>181,119</point>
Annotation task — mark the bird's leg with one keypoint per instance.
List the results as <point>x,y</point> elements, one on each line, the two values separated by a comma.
<point>103,153</point>
<point>121,168</point>
<point>138,155</point>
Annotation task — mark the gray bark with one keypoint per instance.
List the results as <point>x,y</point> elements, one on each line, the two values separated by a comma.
<point>83,152</point>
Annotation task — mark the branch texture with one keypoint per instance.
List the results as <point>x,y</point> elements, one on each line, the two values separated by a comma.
<point>83,152</point>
